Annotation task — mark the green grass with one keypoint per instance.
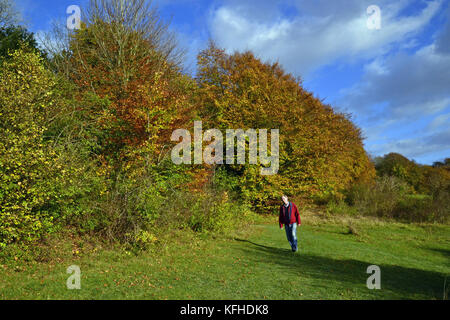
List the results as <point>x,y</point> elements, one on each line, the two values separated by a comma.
<point>257,264</point>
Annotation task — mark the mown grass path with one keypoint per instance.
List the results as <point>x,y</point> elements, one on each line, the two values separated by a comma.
<point>331,264</point>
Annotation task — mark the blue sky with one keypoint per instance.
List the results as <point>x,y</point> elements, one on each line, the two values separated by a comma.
<point>395,81</point>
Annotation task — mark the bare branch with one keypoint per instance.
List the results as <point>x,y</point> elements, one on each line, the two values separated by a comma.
<point>8,13</point>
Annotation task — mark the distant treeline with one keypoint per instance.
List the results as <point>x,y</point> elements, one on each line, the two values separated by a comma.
<point>402,189</point>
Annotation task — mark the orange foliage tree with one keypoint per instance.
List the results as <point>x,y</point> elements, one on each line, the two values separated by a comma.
<point>321,151</point>
<point>135,72</point>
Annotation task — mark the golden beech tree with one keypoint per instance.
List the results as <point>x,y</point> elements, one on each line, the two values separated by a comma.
<point>321,151</point>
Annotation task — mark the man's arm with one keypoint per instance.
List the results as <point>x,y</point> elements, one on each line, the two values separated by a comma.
<point>279,218</point>
<point>297,216</point>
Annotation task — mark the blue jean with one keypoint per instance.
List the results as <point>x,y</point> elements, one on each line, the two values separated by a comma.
<point>291,234</point>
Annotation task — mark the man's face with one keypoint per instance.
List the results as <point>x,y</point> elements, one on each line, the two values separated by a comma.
<point>285,199</point>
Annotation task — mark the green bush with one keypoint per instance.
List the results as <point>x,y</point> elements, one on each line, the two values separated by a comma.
<point>414,208</point>
<point>45,181</point>
<point>391,197</point>
<point>14,38</point>
<point>30,174</point>
<point>340,208</point>
<point>440,207</point>
<point>215,212</point>
<point>380,199</point>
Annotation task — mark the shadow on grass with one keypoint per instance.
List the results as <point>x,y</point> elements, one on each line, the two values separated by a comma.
<point>397,282</point>
<point>443,252</point>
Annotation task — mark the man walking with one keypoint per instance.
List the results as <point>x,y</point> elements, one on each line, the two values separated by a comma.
<point>290,217</point>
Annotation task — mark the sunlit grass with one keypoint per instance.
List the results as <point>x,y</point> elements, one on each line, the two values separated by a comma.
<point>255,264</point>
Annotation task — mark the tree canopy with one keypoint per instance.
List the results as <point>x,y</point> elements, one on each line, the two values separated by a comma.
<point>321,151</point>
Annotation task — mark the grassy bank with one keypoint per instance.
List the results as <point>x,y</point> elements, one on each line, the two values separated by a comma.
<point>255,264</point>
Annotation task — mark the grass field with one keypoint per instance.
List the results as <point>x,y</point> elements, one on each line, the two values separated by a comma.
<point>255,264</point>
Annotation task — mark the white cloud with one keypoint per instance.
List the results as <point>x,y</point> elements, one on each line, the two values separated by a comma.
<point>417,147</point>
<point>398,88</point>
<point>440,121</point>
<point>408,89</point>
<point>316,37</point>
<point>410,85</point>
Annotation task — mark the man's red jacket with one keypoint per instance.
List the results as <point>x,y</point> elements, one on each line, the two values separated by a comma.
<point>295,216</point>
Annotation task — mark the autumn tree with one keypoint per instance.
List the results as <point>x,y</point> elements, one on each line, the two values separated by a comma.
<point>129,93</point>
<point>125,55</point>
<point>321,151</point>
